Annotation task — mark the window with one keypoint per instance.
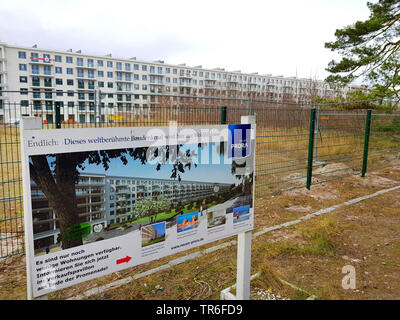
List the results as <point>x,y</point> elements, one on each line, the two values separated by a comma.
<point>22,54</point>
<point>46,58</point>
<point>70,71</point>
<point>22,67</point>
<point>48,94</point>
<point>47,82</point>
<point>58,69</point>
<point>100,84</point>
<point>36,93</point>
<point>127,67</point>
<point>110,95</point>
<point>69,59</point>
<point>23,91</point>
<point>36,81</point>
<point>57,58</point>
<point>144,77</point>
<point>35,69</point>
<point>175,71</point>
<point>70,104</point>
<point>135,66</point>
<point>100,63</point>
<point>47,70</point>
<point>24,103</point>
<point>118,66</point>
<point>70,93</point>
<point>91,84</point>
<point>70,82</point>
<point>109,64</point>
<point>110,85</point>
<point>90,63</point>
<point>119,75</point>
<point>152,69</point>
<point>167,70</point>
<point>109,74</point>
<point>159,70</point>
<point>82,117</point>
<point>59,92</point>
<point>81,84</point>
<point>144,87</point>
<point>135,77</point>
<point>144,68</point>
<point>34,55</point>
<point>128,77</point>
<point>59,81</point>
<point>90,73</point>
<point>100,74</point>
<point>79,62</point>
<point>80,73</point>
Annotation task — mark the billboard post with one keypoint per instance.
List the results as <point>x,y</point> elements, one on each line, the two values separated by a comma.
<point>244,248</point>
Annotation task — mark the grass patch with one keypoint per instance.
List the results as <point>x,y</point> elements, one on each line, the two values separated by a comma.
<point>321,236</point>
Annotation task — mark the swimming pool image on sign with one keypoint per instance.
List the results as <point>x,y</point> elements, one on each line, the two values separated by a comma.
<point>187,221</point>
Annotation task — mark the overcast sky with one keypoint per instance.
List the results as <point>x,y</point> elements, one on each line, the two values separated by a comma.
<point>268,37</point>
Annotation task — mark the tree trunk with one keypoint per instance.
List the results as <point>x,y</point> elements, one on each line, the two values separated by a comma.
<point>59,191</point>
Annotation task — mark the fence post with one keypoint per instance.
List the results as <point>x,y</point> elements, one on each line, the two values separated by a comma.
<point>223,115</point>
<point>310,148</point>
<point>366,142</point>
<point>58,115</point>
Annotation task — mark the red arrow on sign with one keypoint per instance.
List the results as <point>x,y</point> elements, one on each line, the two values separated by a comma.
<point>126,259</point>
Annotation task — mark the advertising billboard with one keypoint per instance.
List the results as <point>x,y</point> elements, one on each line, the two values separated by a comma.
<point>99,200</point>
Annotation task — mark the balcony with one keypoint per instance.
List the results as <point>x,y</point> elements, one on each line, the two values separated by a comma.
<point>83,77</point>
<point>45,75</point>
<point>41,61</point>
<point>185,75</point>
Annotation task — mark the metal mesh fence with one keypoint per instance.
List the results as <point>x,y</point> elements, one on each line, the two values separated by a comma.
<point>338,144</point>
<point>282,152</point>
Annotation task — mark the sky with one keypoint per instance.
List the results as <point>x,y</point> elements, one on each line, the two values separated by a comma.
<point>269,37</point>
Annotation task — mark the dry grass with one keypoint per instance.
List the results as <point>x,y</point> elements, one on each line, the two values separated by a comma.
<point>309,255</point>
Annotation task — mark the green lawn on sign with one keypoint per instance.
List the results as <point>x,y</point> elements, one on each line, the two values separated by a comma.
<point>189,208</point>
<point>160,216</point>
<point>154,241</point>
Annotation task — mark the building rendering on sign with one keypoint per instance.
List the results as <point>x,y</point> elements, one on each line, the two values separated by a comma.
<point>107,200</point>
<point>38,79</point>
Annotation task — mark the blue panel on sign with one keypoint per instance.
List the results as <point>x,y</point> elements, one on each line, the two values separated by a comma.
<point>239,140</point>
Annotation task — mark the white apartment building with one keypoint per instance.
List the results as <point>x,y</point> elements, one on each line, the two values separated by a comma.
<point>107,200</point>
<point>36,79</point>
